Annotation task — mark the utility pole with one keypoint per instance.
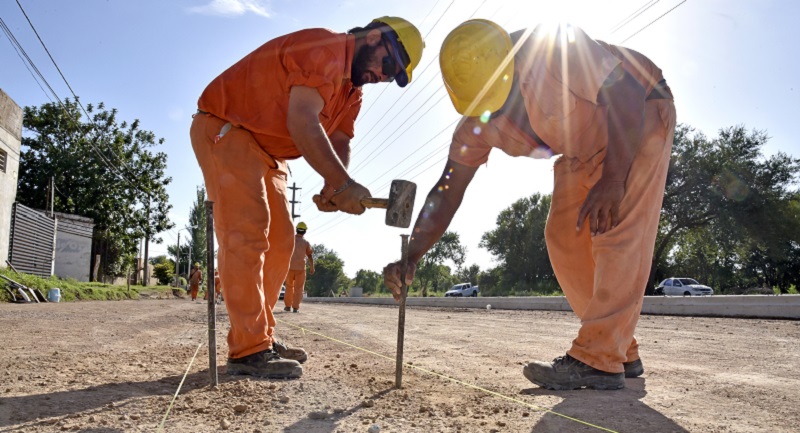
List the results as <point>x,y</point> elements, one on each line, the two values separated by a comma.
<point>52,195</point>
<point>294,189</point>
<point>146,277</point>
<point>178,260</point>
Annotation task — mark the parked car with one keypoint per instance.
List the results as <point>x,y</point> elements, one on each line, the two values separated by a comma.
<point>683,287</point>
<point>463,289</point>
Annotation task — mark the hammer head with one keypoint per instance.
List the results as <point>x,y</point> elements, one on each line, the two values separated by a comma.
<point>401,203</point>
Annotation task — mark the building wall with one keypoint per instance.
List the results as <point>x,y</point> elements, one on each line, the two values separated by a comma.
<point>73,246</point>
<point>10,137</point>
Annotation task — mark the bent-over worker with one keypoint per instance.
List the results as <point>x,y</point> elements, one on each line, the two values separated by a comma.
<point>609,113</point>
<point>296,96</point>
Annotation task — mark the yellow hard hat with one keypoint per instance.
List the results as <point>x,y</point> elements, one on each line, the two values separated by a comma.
<point>477,66</point>
<point>196,264</point>
<point>408,37</point>
<point>302,226</point>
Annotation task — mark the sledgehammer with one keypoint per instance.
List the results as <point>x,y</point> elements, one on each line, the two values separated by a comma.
<point>398,206</point>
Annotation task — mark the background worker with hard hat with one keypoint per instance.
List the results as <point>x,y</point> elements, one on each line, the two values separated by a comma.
<point>296,278</point>
<point>296,96</point>
<point>195,279</point>
<point>609,113</point>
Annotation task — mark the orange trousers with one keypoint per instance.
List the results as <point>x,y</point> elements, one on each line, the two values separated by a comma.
<point>604,277</point>
<point>253,227</point>
<point>194,289</point>
<point>295,284</point>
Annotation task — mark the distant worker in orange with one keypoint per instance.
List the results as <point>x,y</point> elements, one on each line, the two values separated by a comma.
<point>296,96</point>
<point>609,113</point>
<point>195,279</point>
<point>217,288</point>
<point>296,278</point>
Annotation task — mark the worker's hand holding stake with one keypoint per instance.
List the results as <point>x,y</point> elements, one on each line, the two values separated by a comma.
<point>401,324</point>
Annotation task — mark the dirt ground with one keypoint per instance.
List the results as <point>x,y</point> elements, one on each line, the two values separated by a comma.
<point>115,366</point>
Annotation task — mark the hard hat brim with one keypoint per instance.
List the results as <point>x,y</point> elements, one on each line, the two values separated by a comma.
<point>404,77</point>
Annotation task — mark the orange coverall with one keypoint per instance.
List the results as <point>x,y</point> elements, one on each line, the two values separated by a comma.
<point>245,168</point>
<point>195,278</point>
<point>217,286</point>
<point>603,277</point>
<point>296,278</point>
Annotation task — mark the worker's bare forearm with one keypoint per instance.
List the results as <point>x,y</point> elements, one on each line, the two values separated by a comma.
<point>305,104</point>
<point>313,144</point>
<point>625,100</point>
<point>440,206</point>
<point>341,145</point>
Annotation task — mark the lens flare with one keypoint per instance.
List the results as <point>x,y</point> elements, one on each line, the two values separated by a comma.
<point>485,116</point>
<point>476,130</point>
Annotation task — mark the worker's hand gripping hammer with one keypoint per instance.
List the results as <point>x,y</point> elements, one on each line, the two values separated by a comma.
<point>399,205</point>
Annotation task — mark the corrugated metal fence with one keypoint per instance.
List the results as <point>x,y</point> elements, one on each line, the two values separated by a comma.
<point>33,241</point>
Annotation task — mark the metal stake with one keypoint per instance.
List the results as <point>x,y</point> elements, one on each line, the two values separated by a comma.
<point>401,324</point>
<point>211,295</point>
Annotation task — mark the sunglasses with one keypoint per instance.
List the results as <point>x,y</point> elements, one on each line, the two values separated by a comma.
<point>389,65</point>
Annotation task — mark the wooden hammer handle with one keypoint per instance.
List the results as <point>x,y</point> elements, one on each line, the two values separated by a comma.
<point>371,202</point>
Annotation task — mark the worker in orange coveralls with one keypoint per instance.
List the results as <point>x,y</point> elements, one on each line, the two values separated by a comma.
<point>217,288</point>
<point>609,113</point>
<point>296,278</point>
<point>296,96</point>
<point>195,279</point>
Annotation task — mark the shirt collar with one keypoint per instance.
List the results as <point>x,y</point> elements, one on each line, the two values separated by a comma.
<point>349,50</point>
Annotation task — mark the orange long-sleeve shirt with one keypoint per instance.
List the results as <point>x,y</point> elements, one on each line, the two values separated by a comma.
<point>254,92</point>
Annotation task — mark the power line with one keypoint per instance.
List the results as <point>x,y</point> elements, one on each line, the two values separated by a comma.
<point>632,16</point>
<point>119,162</point>
<point>652,22</point>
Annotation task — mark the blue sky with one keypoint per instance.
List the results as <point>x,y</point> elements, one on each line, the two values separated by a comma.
<point>729,62</point>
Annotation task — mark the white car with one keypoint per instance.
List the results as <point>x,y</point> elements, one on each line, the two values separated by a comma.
<point>463,289</point>
<point>683,287</point>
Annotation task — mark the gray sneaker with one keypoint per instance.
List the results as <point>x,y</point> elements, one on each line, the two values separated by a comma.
<point>293,353</point>
<point>266,363</point>
<point>633,368</point>
<point>566,372</point>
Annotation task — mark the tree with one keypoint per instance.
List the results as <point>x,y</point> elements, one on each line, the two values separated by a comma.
<point>328,273</point>
<point>197,222</point>
<point>518,244</point>
<point>102,169</point>
<point>164,272</point>
<point>727,208</point>
<point>370,281</point>
<point>429,268</point>
<point>183,259</point>
<point>469,274</point>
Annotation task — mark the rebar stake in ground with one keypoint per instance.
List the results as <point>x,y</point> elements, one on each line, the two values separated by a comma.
<point>401,324</point>
<point>211,294</point>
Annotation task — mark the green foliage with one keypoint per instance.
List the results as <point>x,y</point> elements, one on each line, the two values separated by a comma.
<point>184,264</point>
<point>370,281</point>
<point>468,274</point>
<point>72,290</point>
<point>157,260</point>
<point>730,219</point>
<point>429,269</point>
<point>197,225</point>
<point>165,273</point>
<point>329,273</point>
<point>102,169</point>
<point>518,244</point>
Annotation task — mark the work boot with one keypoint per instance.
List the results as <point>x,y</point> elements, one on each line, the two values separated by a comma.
<point>286,352</point>
<point>266,363</point>
<point>566,372</point>
<point>295,310</point>
<point>633,368</point>
<point>287,308</point>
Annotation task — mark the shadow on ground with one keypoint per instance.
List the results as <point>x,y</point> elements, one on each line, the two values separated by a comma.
<point>594,411</point>
<point>30,408</point>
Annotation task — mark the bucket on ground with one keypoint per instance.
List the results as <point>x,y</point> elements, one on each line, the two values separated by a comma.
<point>54,295</point>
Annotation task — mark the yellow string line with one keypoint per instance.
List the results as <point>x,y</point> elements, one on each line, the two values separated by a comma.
<point>469,385</point>
<point>161,426</point>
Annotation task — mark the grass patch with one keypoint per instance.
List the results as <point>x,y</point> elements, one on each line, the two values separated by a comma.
<point>72,290</point>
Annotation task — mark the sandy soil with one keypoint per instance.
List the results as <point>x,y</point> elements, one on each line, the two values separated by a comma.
<point>115,366</point>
